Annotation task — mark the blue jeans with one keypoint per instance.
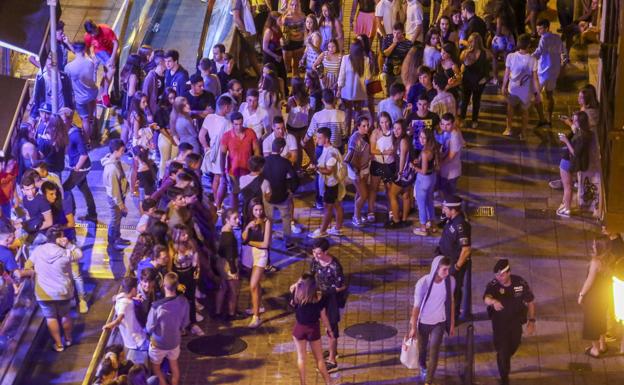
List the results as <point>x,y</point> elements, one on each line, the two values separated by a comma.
<point>429,341</point>
<point>423,192</point>
<point>114,226</point>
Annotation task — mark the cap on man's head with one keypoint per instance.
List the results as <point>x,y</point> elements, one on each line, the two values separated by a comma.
<point>452,201</point>
<point>46,107</point>
<point>196,78</point>
<point>501,266</point>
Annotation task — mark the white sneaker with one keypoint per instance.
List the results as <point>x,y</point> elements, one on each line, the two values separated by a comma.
<point>199,317</point>
<point>317,234</point>
<point>83,308</point>
<point>255,322</point>
<point>199,306</point>
<point>334,231</point>
<point>250,311</point>
<point>196,330</point>
<point>357,222</point>
<point>296,229</point>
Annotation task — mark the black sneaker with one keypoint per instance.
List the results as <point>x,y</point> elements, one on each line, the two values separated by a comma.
<point>88,218</point>
<point>331,367</point>
<point>123,241</point>
<point>270,269</point>
<point>392,225</point>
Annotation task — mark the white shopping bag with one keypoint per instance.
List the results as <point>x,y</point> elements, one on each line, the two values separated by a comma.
<point>409,353</point>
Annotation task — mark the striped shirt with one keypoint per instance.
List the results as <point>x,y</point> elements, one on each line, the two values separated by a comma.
<point>332,119</point>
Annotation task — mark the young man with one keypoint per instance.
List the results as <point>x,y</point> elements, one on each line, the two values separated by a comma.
<point>283,182</point>
<point>289,151</point>
<point>472,22</point>
<point>331,282</point>
<point>444,102</point>
<point>549,54</point>
<point>394,48</point>
<point>82,71</point>
<point>177,211</point>
<point>201,101</point>
<point>394,104</point>
<point>414,19</point>
<point>154,83</point>
<point>520,84</point>
<point>7,256</point>
<point>42,93</point>
<point>235,92</point>
<point>242,12</point>
<point>424,86</point>
<point>450,164</point>
<point>134,338</point>
<point>253,185</point>
<point>80,165</point>
<point>421,119</point>
<point>159,260</point>
<point>176,76</point>
<point>210,134</point>
<point>255,116</point>
<point>432,315</point>
<point>37,207</point>
<point>510,304</point>
<point>167,319</point>
<point>237,146</point>
<point>50,264</point>
<point>212,83</point>
<point>329,117</point>
<point>331,185</point>
<point>116,184</point>
<point>102,39</point>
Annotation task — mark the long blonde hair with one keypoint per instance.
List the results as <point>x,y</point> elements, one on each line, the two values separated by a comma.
<point>177,112</point>
<point>305,290</point>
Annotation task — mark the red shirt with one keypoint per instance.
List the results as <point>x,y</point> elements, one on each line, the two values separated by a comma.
<point>103,42</point>
<point>7,182</point>
<point>239,150</point>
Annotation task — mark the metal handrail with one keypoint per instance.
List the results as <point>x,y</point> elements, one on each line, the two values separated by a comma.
<point>99,351</point>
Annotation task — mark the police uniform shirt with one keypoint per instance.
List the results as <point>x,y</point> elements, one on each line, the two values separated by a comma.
<point>513,298</point>
<point>456,234</point>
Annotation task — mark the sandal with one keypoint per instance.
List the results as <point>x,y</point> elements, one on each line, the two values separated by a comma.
<point>589,353</point>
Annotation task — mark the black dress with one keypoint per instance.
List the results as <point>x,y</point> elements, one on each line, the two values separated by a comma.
<point>595,305</point>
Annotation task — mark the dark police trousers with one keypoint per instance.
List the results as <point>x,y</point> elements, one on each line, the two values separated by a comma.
<point>507,337</point>
<point>463,289</point>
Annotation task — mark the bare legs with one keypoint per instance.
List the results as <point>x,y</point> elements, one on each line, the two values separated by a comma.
<point>229,289</point>
<point>55,329</point>
<point>328,215</point>
<point>361,195</point>
<point>317,352</point>
<point>257,273</point>
<point>351,105</point>
<point>566,181</point>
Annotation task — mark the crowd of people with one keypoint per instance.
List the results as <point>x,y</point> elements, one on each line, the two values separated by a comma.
<point>211,154</point>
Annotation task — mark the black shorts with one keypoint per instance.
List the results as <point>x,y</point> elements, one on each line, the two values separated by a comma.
<point>387,172</point>
<point>304,332</point>
<point>331,194</point>
<point>293,46</point>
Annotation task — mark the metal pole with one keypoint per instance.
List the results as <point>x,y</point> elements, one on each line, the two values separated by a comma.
<point>53,48</point>
<point>469,368</point>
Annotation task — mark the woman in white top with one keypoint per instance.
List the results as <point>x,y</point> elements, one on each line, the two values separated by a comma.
<point>270,97</point>
<point>383,164</point>
<point>354,72</point>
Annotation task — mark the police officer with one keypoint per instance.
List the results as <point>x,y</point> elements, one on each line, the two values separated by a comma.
<point>455,244</point>
<point>510,304</point>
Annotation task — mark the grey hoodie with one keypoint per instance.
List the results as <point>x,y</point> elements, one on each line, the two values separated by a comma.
<point>424,284</point>
<point>53,274</point>
<point>114,179</point>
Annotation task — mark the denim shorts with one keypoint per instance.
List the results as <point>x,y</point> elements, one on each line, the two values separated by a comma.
<point>55,309</point>
<point>565,165</point>
<point>103,57</point>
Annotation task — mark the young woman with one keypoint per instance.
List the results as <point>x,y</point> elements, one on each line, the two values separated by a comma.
<point>142,249</point>
<point>270,97</point>
<point>374,70</point>
<point>476,71</point>
<point>227,265</point>
<point>271,46</point>
<point>293,30</point>
<point>181,125</point>
<point>451,68</point>
<point>130,79</point>
<point>311,26</point>
<point>431,54</point>
<point>256,239</point>
<point>447,32</point>
<point>358,160</point>
<point>383,165</point>
<point>404,178</point>
<point>52,142</point>
<point>594,297</point>
<point>311,53</point>
<point>167,146</point>
<point>299,114</point>
<point>425,166</point>
<point>331,65</point>
<point>141,133</point>
<point>186,264</point>
<point>352,78</point>
<point>575,156</point>
<point>409,68</point>
<point>365,22</point>
<point>330,28</point>
<point>308,304</point>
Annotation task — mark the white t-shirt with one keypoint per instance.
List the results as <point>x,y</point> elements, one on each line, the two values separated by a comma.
<point>257,120</point>
<point>384,9</point>
<point>247,179</point>
<point>453,168</point>
<point>329,159</point>
<point>521,67</point>
<point>216,126</point>
<point>131,331</point>
<point>413,20</point>
<point>433,311</point>
<point>291,144</point>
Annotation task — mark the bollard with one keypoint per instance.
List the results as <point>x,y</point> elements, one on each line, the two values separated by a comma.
<point>469,363</point>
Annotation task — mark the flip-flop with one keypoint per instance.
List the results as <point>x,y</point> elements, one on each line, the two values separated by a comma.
<point>588,353</point>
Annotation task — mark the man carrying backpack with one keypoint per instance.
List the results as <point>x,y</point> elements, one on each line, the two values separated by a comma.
<point>332,172</point>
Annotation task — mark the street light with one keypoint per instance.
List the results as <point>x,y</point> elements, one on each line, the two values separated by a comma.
<point>618,290</point>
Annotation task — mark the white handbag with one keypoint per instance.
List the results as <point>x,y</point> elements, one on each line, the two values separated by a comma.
<point>409,353</point>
